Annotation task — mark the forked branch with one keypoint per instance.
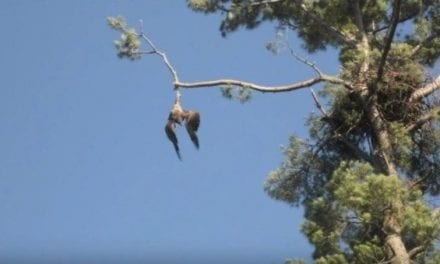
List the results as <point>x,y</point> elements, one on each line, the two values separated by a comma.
<point>239,83</point>
<point>154,50</point>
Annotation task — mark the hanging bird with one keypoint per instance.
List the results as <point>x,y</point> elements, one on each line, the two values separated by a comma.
<point>176,116</point>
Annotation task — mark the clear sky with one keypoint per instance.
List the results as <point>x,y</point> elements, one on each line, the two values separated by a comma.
<point>87,174</point>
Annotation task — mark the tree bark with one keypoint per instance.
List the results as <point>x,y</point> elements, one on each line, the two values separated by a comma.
<point>398,249</point>
<point>393,216</point>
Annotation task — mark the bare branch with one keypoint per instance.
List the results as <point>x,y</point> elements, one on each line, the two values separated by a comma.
<point>318,104</point>
<point>239,83</point>
<point>263,88</point>
<point>305,61</point>
<point>425,90</point>
<point>389,38</point>
<point>161,54</point>
<point>249,85</point>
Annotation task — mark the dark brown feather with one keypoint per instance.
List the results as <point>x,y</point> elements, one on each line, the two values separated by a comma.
<point>170,130</point>
<point>192,125</point>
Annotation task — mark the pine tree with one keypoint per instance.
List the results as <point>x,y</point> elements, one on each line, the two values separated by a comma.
<point>371,164</point>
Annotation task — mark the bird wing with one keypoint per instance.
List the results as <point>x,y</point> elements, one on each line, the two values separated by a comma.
<point>170,130</point>
<point>192,124</point>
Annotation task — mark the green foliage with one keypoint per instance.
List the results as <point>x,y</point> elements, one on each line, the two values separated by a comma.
<point>433,258</point>
<point>294,261</point>
<point>332,259</point>
<point>128,45</point>
<point>339,173</point>
<point>352,210</point>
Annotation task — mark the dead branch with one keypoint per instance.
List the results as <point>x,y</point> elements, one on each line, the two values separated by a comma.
<point>239,83</point>
<point>249,85</point>
<point>303,60</point>
<point>425,90</point>
<point>158,52</point>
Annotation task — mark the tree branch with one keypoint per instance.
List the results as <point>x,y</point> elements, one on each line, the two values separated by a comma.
<point>160,53</point>
<point>435,112</point>
<point>419,249</point>
<point>389,38</point>
<point>425,90</point>
<point>305,61</point>
<point>262,2</point>
<point>239,83</point>
<point>257,87</point>
<point>318,104</point>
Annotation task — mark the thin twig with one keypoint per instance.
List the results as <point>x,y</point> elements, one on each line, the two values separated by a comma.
<point>160,53</point>
<point>164,57</point>
<point>318,104</point>
<point>305,61</point>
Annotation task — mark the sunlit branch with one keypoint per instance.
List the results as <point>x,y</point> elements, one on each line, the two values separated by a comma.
<point>305,61</point>
<point>250,85</point>
<point>239,83</point>
<point>389,38</point>
<point>160,53</point>
<point>362,35</point>
<point>426,90</point>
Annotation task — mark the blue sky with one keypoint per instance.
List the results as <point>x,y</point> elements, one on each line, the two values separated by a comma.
<point>86,171</point>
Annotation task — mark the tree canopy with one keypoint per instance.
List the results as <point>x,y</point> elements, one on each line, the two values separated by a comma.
<point>370,168</point>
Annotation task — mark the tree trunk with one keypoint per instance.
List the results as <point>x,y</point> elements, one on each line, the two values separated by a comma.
<point>398,251</point>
